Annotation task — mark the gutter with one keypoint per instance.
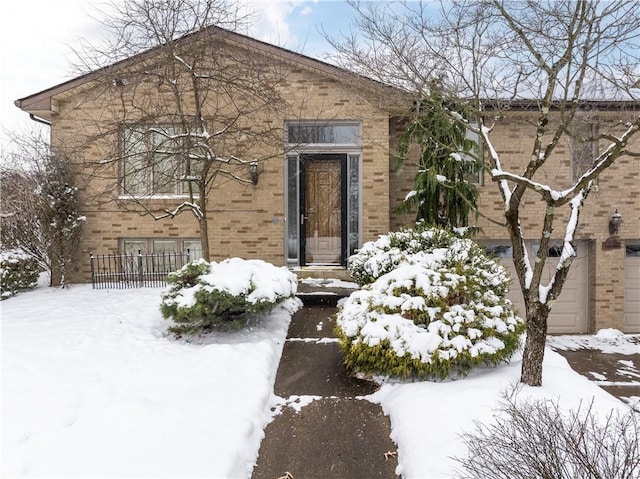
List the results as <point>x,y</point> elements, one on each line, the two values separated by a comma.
<point>39,120</point>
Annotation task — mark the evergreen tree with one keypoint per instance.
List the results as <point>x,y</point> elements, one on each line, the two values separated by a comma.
<point>442,195</point>
<point>39,212</point>
<point>59,216</point>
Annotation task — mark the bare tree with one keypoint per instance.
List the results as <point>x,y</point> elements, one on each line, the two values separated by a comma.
<point>553,57</point>
<point>39,213</point>
<point>189,107</point>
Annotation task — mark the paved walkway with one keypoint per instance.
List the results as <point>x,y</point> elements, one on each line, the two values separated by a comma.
<point>618,374</point>
<point>327,430</point>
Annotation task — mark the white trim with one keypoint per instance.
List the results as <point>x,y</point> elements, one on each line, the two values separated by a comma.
<point>155,197</point>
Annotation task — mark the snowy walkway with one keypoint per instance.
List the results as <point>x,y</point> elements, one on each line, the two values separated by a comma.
<point>326,428</point>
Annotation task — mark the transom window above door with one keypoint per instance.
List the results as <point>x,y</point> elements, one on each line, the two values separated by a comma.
<point>324,133</point>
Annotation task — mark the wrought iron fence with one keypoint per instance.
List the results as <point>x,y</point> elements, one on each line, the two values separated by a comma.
<point>122,271</point>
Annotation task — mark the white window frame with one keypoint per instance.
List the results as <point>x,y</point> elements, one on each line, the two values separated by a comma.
<point>149,245</point>
<point>146,155</point>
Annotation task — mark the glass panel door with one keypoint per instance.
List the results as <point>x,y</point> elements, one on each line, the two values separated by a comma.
<point>322,215</point>
<point>292,236</point>
<point>323,208</point>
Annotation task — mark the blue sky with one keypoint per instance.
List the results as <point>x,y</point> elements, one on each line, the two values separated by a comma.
<point>37,35</point>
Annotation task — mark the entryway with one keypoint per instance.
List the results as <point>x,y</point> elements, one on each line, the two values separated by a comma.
<point>323,220</point>
<point>322,215</point>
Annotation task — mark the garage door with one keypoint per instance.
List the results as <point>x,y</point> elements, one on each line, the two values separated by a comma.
<point>570,311</point>
<point>632,288</point>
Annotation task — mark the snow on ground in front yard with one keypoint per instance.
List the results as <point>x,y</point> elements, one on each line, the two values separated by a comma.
<point>605,341</point>
<point>427,418</point>
<point>93,387</point>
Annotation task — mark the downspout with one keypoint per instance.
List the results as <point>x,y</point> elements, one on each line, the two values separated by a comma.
<point>39,120</point>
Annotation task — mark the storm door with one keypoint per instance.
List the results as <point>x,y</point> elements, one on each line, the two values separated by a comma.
<point>323,217</point>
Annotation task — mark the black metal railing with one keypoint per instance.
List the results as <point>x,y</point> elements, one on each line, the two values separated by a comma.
<point>120,271</point>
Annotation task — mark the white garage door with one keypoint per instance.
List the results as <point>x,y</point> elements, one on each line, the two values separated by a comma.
<point>570,311</point>
<point>632,288</point>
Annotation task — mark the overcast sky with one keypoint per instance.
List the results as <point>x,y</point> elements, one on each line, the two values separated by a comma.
<point>37,36</point>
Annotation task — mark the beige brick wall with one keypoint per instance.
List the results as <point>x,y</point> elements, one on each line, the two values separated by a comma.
<point>250,221</point>
<point>244,220</point>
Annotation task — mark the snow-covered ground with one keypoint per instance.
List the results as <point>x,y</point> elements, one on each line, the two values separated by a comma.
<point>607,341</point>
<point>428,418</point>
<point>93,387</point>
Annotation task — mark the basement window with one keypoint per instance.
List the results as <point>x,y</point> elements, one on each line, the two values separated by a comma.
<point>133,246</point>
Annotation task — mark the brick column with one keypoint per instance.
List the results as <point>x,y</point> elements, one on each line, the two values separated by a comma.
<point>607,279</point>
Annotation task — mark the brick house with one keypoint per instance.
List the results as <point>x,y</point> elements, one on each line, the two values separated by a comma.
<point>332,187</point>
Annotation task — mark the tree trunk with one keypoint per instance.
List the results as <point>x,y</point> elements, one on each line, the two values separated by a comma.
<point>533,355</point>
<point>56,275</point>
<point>54,260</point>
<point>204,237</point>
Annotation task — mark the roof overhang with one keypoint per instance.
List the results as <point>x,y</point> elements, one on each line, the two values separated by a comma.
<point>41,105</point>
<point>44,105</point>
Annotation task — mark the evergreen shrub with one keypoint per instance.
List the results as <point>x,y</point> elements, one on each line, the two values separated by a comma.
<point>376,258</point>
<point>18,271</point>
<point>203,296</point>
<point>432,305</point>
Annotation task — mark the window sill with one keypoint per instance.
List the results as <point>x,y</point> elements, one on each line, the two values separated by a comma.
<point>155,197</point>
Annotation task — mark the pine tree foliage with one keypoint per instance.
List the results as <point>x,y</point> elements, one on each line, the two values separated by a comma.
<point>442,194</point>
<point>40,211</point>
<point>60,219</point>
<point>18,271</point>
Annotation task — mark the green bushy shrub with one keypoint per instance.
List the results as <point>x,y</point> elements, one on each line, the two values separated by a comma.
<point>376,258</point>
<point>18,271</point>
<point>204,296</point>
<point>435,307</point>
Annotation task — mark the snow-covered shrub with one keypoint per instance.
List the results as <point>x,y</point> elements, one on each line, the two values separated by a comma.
<point>431,310</point>
<point>206,296</point>
<point>376,258</point>
<point>18,271</point>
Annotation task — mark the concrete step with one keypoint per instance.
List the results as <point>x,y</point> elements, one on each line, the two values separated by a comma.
<point>323,272</point>
<point>323,293</point>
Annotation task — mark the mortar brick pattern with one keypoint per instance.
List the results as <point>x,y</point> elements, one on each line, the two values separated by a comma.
<point>247,221</point>
<point>250,221</point>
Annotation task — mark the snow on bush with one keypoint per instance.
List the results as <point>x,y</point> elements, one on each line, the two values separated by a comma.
<point>205,296</point>
<point>18,271</point>
<point>376,258</point>
<point>436,306</point>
